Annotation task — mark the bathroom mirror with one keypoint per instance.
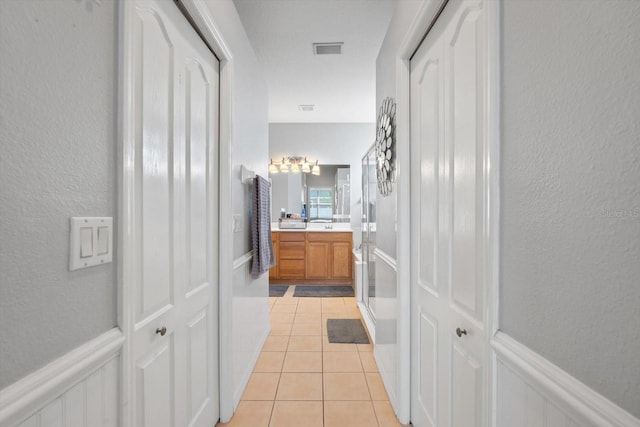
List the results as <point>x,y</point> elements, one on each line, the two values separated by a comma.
<point>326,197</point>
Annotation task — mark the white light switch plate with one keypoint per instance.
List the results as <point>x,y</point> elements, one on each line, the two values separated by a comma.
<point>237,223</point>
<point>90,242</point>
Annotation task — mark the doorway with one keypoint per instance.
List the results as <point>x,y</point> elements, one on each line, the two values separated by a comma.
<point>452,179</point>
<point>169,217</point>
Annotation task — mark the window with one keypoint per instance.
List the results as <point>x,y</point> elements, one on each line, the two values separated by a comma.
<point>320,203</point>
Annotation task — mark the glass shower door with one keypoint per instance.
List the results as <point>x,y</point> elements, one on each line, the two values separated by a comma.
<point>369,192</point>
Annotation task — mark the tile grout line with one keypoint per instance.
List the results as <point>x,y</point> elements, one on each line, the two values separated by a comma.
<point>358,352</point>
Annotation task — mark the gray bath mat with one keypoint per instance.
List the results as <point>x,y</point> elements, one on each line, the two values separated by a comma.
<point>323,291</point>
<point>278,290</point>
<point>346,331</point>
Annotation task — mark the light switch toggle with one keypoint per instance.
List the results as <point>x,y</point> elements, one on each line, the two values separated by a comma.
<point>86,242</point>
<point>103,240</point>
<point>90,242</point>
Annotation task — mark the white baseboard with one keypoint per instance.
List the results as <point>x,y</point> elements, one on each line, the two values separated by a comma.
<point>531,390</point>
<point>78,389</point>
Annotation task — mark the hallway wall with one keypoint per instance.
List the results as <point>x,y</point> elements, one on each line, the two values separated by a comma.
<point>389,353</point>
<point>58,85</point>
<point>249,303</point>
<point>571,189</point>
<point>58,142</point>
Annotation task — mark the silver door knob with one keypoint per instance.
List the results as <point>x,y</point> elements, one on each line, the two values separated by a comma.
<point>161,331</point>
<point>461,332</point>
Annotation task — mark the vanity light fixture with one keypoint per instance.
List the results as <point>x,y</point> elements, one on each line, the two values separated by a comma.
<point>272,167</point>
<point>284,166</point>
<point>294,164</point>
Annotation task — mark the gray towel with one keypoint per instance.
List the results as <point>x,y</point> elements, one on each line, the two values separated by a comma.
<point>263,258</point>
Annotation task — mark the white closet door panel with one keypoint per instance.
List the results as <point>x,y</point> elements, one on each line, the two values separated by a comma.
<point>447,180</point>
<point>199,365</point>
<point>198,95</point>
<point>466,143</point>
<point>154,69</point>
<point>466,389</point>
<point>428,387</point>
<point>154,377</point>
<point>176,103</point>
<point>431,132</point>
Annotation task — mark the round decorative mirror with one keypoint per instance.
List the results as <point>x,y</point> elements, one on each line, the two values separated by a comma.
<point>385,146</point>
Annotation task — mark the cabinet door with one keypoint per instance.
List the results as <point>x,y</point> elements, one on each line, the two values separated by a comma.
<point>291,269</point>
<point>292,250</point>
<point>341,260</point>
<point>318,260</point>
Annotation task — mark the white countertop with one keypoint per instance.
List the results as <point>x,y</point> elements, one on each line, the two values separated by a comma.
<point>337,227</point>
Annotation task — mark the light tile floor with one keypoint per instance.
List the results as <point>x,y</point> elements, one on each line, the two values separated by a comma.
<point>302,380</point>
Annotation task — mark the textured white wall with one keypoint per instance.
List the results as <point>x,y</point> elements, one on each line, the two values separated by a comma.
<point>250,308</point>
<point>250,125</point>
<point>571,189</point>
<point>388,308</point>
<point>58,150</point>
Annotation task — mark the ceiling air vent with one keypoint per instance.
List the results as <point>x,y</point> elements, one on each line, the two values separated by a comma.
<point>327,48</point>
<point>308,107</point>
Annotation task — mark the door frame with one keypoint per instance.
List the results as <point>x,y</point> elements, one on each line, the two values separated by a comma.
<point>426,16</point>
<point>211,32</point>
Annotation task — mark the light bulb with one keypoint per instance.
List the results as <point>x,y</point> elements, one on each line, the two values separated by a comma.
<point>316,169</point>
<point>272,168</point>
<point>305,166</point>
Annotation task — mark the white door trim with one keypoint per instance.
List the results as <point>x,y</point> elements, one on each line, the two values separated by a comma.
<point>413,37</point>
<point>426,15</point>
<point>126,180</point>
<point>126,202</point>
<point>494,28</point>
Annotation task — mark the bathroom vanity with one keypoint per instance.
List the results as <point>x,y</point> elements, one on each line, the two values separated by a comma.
<point>312,256</point>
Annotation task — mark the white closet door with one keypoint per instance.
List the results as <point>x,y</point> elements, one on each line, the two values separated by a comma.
<point>448,187</point>
<point>175,334</point>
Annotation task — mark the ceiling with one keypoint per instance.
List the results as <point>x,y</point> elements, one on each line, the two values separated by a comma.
<point>341,87</point>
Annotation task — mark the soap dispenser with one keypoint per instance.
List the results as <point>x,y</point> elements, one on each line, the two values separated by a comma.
<point>303,214</point>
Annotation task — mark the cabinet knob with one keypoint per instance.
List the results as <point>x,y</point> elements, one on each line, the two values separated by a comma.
<point>461,332</point>
<point>161,331</point>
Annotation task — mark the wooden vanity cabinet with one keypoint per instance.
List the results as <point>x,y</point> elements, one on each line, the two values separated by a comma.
<point>313,257</point>
<point>291,248</point>
<point>318,260</point>
<point>329,255</point>
<point>341,263</point>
